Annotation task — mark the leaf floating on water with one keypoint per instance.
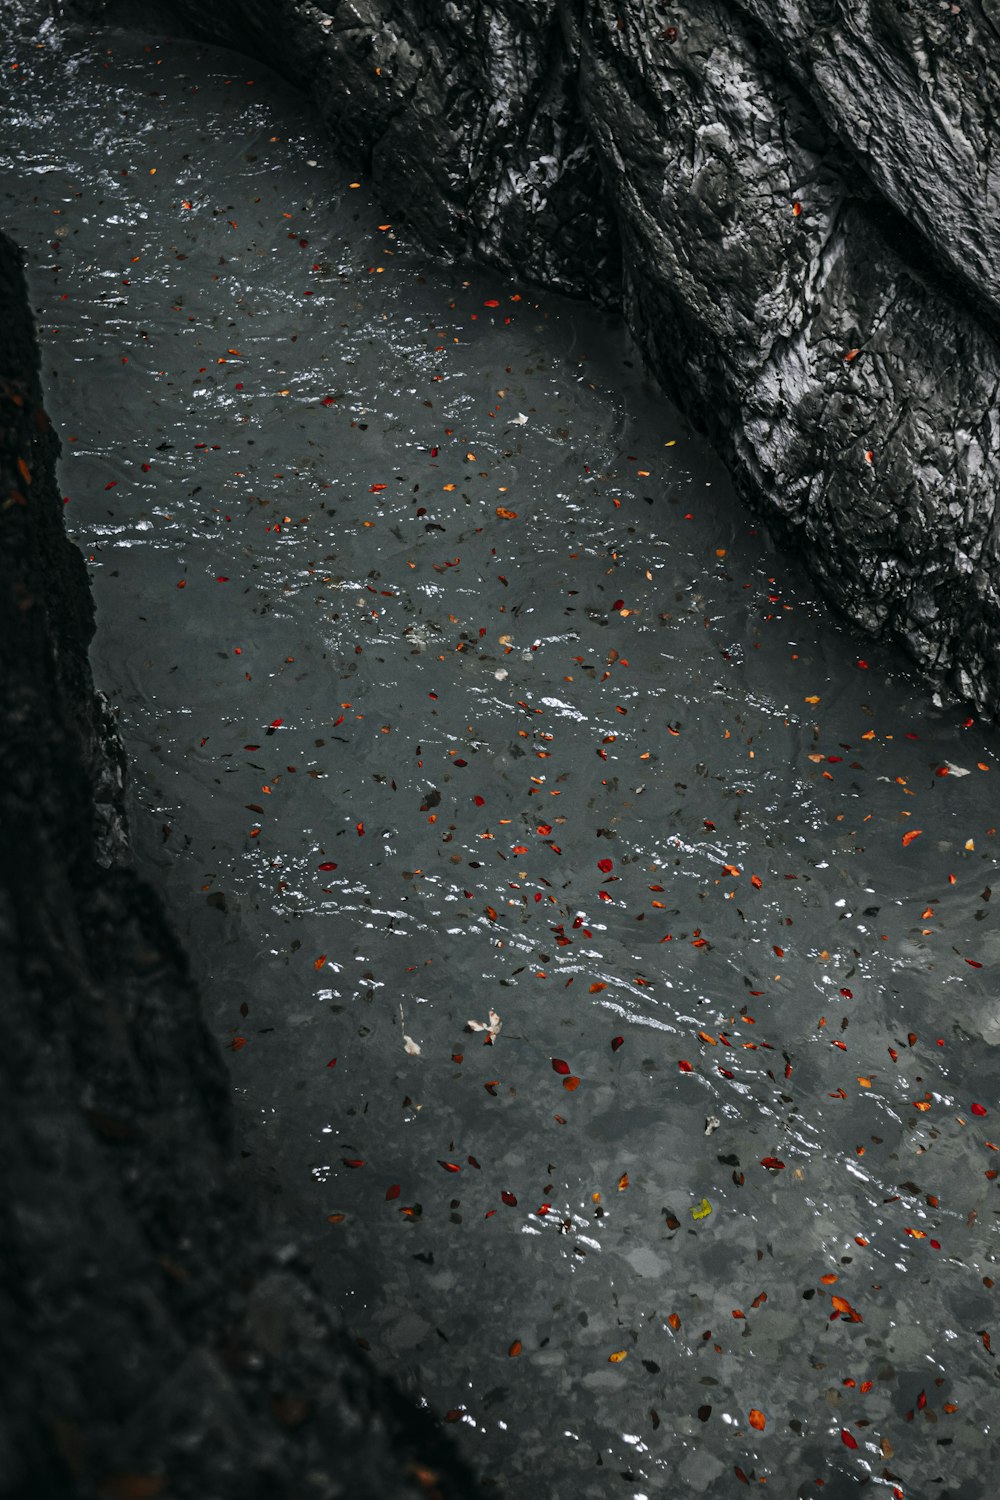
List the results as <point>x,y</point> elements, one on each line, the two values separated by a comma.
<point>701,1210</point>
<point>617,1357</point>
<point>410,1046</point>
<point>515,1349</point>
<point>616,1042</point>
<point>773,1163</point>
<point>842,1305</point>
<point>491,1026</point>
<point>848,1439</point>
<point>908,838</point>
<point>558,1066</point>
<point>757,1419</point>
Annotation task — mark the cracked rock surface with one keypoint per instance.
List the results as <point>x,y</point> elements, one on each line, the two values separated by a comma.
<point>796,205</point>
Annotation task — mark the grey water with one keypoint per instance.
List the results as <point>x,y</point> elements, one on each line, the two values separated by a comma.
<point>458,688</point>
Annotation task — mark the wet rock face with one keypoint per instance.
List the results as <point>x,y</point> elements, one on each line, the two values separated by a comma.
<point>796,204</point>
<point>153,1341</point>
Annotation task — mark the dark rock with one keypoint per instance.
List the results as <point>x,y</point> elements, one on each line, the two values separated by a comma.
<point>802,201</point>
<point>153,1341</point>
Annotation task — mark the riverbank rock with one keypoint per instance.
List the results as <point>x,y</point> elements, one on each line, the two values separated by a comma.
<point>154,1339</point>
<point>796,206</point>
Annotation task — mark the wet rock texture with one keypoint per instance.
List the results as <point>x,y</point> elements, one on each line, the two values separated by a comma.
<point>795,201</point>
<point>154,1340</point>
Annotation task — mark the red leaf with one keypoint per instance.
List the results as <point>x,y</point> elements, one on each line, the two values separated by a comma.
<point>348,1162</point>
<point>392,1192</point>
<point>327,865</point>
<point>605,866</point>
<point>684,1066</point>
<point>558,1066</point>
<point>848,1439</point>
<point>616,1042</point>
<point>618,604</point>
<point>450,1166</point>
<point>773,1162</point>
<point>978,1109</point>
<point>508,1197</point>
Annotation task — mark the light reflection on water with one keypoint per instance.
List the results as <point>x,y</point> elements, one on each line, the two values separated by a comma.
<point>603,765</point>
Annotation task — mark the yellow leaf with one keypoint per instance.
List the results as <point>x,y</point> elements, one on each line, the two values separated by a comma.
<point>702,1210</point>
<point>813,699</point>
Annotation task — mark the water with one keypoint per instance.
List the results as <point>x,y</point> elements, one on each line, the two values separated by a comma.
<point>454,680</point>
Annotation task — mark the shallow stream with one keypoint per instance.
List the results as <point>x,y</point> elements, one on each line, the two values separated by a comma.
<point>456,685</point>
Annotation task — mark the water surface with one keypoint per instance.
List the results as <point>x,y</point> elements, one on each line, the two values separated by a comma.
<point>455,681</point>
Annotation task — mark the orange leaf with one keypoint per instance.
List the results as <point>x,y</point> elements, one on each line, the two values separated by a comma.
<point>843,1306</point>
<point>515,1349</point>
<point>908,838</point>
<point>674,1321</point>
<point>617,1357</point>
<point>757,1419</point>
